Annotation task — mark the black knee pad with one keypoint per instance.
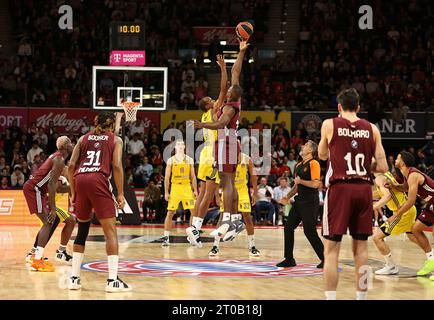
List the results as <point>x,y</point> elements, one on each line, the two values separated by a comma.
<point>336,238</point>
<point>83,231</point>
<point>360,237</point>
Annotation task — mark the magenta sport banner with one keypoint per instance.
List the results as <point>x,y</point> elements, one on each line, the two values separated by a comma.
<point>63,120</point>
<point>127,58</point>
<point>8,115</point>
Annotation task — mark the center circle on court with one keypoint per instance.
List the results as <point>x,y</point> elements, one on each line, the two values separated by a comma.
<point>205,268</point>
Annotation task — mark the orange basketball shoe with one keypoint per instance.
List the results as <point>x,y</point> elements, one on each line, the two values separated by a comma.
<point>31,256</point>
<point>42,266</point>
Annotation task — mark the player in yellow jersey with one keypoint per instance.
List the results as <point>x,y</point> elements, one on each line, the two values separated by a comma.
<point>63,216</point>
<point>244,170</point>
<point>181,177</point>
<point>393,199</point>
<point>207,174</point>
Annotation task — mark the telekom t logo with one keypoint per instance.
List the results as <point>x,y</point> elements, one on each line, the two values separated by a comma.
<point>117,57</point>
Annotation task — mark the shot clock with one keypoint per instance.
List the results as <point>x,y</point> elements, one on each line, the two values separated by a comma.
<point>127,35</point>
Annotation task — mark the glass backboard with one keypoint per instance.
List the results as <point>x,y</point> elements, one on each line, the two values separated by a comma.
<point>112,85</point>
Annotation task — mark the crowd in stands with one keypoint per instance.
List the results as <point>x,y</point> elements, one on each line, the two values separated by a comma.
<point>54,67</point>
<point>391,66</point>
<point>23,150</point>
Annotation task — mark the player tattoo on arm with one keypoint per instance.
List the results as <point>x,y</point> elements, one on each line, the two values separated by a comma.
<point>58,166</point>
<point>72,166</point>
<point>326,129</point>
<point>380,154</point>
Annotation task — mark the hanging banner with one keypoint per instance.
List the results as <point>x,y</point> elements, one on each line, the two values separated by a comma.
<point>413,127</point>
<point>177,118</point>
<point>8,115</point>
<point>205,35</point>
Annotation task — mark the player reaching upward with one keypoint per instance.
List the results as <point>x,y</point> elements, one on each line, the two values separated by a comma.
<point>94,157</point>
<point>181,177</point>
<point>207,174</point>
<point>349,143</point>
<point>40,194</point>
<point>227,147</point>
<point>417,184</point>
<point>244,170</point>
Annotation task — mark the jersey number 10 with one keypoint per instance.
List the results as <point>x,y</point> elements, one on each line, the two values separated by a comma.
<point>359,162</point>
<point>93,159</point>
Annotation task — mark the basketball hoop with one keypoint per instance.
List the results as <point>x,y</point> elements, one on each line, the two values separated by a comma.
<point>130,109</point>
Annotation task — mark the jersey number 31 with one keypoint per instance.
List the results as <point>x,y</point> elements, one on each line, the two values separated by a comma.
<point>93,159</point>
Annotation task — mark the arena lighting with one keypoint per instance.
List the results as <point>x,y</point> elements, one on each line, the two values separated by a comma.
<point>223,42</point>
<point>206,60</point>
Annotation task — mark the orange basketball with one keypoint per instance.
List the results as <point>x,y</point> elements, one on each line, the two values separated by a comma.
<point>244,30</point>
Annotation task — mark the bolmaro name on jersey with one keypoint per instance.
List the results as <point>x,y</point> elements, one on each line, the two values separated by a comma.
<point>97,138</point>
<point>345,132</point>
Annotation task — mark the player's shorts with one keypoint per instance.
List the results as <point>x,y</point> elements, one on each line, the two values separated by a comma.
<point>181,193</point>
<point>244,204</point>
<point>206,171</point>
<point>61,213</point>
<point>226,154</point>
<point>427,216</point>
<point>348,205</point>
<point>402,225</point>
<point>93,191</point>
<point>36,200</point>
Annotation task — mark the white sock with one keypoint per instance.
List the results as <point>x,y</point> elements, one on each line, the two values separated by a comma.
<point>39,253</point>
<point>430,255</point>
<point>77,260</point>
<point>62,248</point>
<point>193,222</point>
<point>113,266</point>
<point>226,216</point>
<point>33,250</point>
<point>330,295</point>
<point>362,295</point>
<point>251,239</point>
<point>389,260</point>
<point>198,223</point>
<point>236,216</point>
<point>216,241</point>
<point>166,233</point>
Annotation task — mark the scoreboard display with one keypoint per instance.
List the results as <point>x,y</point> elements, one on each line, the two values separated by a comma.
<point>127,35</point>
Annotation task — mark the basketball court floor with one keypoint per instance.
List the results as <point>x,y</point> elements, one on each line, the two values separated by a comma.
<point>184,272</point>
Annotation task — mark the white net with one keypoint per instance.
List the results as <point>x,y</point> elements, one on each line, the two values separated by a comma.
<point>130,109</point>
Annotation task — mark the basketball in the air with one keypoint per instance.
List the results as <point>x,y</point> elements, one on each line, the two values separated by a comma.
<point>244,30</point>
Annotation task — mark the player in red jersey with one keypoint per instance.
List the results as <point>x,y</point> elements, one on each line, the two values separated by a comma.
<point>42,182</point>
<point>349,143</point>
<point>417,184</point>
<point>227,149</point>
<point>92,161</point>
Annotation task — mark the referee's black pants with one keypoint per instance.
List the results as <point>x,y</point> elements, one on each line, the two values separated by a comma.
<point>303,211</point>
